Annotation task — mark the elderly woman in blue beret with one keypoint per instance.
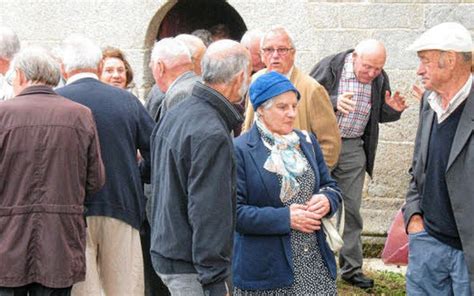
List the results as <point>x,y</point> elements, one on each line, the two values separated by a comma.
<point>283,190</point>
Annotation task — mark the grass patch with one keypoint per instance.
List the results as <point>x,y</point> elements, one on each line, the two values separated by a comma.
<point>386,284</point>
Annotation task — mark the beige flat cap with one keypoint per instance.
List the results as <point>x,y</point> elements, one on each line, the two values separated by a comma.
<point>446,37</point>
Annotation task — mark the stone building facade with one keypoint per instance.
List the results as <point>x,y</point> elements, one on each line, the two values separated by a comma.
<point>320,28</point>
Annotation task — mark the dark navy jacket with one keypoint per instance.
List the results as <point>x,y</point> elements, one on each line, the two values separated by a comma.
<point>193,179</point>
<point>123,126</point>
<point>262,246</point>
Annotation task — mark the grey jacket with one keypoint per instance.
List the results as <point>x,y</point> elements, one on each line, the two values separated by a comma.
<point>458,175</point>
<point>179,90</point>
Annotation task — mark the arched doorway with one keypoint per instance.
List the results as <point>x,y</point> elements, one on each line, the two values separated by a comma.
<point>187,16</point>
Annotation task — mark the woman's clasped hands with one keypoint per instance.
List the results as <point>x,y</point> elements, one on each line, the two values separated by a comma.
<point>307,217</point>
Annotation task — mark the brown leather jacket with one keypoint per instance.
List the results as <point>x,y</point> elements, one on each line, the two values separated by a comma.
<point>49,160</point>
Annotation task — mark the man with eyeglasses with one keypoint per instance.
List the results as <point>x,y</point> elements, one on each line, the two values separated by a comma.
<point>360,93</point>
<point>315,113</point>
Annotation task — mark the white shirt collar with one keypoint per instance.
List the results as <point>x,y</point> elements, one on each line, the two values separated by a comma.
<point>81,75</point>
<point>434,99</point>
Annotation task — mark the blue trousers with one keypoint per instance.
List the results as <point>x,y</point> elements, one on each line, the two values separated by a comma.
<point>435,268</point>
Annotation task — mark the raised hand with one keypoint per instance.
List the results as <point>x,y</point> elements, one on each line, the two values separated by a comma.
<point>396,102</point>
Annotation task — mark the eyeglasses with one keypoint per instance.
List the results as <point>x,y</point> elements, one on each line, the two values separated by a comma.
<point>281,51</point>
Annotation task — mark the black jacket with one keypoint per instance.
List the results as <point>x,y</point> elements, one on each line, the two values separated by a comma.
<point>194,189</point>
<point>328,72</point>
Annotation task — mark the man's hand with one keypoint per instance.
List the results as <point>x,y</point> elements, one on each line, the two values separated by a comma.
<point>303,220</point>
<point>415,224</point>
<point>417,91</point>
<point>396,102</point>
<point>345,104</point>
<point>319,204</point>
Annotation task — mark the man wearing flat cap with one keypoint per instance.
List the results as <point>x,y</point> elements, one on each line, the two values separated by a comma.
<point>440,199</point>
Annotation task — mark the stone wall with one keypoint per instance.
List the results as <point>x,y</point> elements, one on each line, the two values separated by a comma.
<point>320,28</point>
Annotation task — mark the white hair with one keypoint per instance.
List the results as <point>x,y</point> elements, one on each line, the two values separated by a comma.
<point>192,42</point>
<point>223,60</point>
<point>171,51</point>
<point>369,46</point>
<point>250,36</point>
<point>79,52</point>
<point>278,30</point>
<point>38,65</point>
<point>9,43</point>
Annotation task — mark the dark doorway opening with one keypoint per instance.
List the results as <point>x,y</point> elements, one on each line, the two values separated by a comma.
<point>187,16</point>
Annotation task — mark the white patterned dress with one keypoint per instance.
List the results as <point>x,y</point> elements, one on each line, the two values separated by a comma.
<point>311,275</point>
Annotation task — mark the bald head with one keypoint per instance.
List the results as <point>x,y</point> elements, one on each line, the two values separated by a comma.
<point>371,47</point>
<point>369,58</point>
<point>223,60</point>
<point>196,48</point>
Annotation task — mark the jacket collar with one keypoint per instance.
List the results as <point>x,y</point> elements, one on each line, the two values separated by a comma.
<point>225,108</point>
<point>260,156</point>
<point>80,76</point>
<point>464,129</point>
<point>37,89</point>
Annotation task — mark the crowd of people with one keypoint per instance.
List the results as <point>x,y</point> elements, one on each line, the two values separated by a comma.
<point>218,183</point>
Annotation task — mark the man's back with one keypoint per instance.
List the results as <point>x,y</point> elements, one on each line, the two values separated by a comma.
<point>49,161</point>
<point>193,179</point>
<point>123,126</point>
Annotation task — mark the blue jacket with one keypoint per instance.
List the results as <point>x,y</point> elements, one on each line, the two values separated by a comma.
<point>123,126</point>
<point>262,247</point>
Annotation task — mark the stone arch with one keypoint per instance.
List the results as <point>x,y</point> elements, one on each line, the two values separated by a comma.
<point>184,16</point>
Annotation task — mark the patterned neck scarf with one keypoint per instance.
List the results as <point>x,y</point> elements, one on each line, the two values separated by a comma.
<point>284,160</point>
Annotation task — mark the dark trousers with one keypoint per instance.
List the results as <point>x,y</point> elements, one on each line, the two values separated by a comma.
<point>153,284</point>
<point>35,290</point>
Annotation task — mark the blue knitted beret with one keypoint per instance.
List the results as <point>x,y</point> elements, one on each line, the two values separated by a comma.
<point>269,85</point>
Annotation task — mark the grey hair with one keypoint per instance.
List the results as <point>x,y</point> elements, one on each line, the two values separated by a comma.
<point>369,46</point>
<point>79,52</point>
<point>467,56</point>
<point>192,42</point>
<point>278,30</point>
<point>251,35</point>
<point>170,51</point>
<point>268,103</point>
<point>38,65</point>
<point>9,43</point>
<point>223,60</point>
<point>204,35</point>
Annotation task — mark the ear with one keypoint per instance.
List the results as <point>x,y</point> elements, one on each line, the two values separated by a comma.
<point>100,67</point>
<point>451,59</point>
<point>21,77</point>
<point>63,71</point>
